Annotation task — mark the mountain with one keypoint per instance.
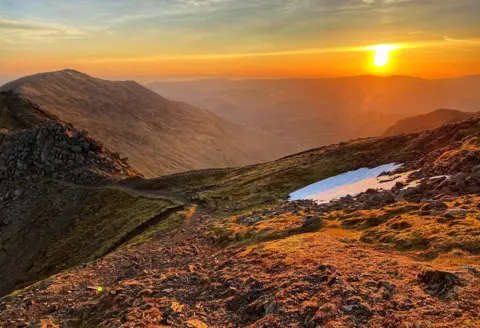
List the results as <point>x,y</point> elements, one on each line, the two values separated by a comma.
<point>427,121</point>
<point>225,247</point>
<point>321,111</point>
<point>48,196</point>
<point>159,136</point>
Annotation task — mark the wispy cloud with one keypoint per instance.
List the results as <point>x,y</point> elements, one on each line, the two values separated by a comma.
<point>19,30</point>
<point>130,31</point>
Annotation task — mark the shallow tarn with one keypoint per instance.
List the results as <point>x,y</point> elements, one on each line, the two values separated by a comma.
<point>350,183</point>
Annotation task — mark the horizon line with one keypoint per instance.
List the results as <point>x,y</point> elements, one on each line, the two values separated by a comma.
<point>192,78</point>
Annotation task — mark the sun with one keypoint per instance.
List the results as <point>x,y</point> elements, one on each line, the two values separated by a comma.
<point>382,55</point>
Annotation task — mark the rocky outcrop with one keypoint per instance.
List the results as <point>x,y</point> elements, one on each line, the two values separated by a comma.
<point>58,150</point>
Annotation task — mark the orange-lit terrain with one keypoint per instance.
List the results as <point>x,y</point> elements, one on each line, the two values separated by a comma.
<point>231,257</point>
<point>231,164</point>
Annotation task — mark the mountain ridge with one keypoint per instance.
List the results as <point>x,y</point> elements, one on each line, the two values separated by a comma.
<point>158,135</point>
<point>428,121</point>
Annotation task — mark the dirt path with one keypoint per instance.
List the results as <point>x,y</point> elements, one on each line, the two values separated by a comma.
<point>130,191</point>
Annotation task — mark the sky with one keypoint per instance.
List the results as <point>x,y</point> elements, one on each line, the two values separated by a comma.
<point>174,39</point>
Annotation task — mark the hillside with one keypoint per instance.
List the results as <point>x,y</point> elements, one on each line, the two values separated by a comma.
<point>321,111</point>
<point>427,121</point>
<point>58,207</point>
<point>238,254</point>
<point>159,136</point>
<point>17,113</point>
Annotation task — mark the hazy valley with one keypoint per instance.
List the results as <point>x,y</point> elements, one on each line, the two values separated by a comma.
<point>315,112</point>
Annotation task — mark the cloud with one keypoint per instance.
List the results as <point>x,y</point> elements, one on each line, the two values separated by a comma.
<point>19,30</point>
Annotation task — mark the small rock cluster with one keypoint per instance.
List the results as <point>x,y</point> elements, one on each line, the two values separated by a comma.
<point>428,190</point>
<point>57,150</point>
<point>294,207</point>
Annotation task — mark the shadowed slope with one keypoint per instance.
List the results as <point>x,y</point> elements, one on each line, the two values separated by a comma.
<point>51,217</point>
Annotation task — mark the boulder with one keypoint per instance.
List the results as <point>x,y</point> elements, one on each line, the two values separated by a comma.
<point>439,283</point>
<point>311,221</point>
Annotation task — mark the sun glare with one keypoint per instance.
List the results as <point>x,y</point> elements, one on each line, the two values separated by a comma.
<point>382,55</point>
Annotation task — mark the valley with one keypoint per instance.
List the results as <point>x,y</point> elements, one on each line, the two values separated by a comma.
<point>315,112</point>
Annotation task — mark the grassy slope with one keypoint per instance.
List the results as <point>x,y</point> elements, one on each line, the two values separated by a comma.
<point>230,190</point>
<point>68,226</point>
<point>104,220</point>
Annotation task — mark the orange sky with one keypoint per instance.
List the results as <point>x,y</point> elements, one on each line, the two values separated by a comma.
<point>150,40</point>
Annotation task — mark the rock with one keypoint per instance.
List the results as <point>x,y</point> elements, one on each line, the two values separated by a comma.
<point>271,308</point>
<point>415,175</point>
<point>458,177</point>
<point>399,185</point>
<point>454,213</point>
<point>249,220</point>
<point>86,147</point>
<point>387,289</point>
<point>311,222</point>
<point>355,306</point>
<point>53,147</point>
<point>408,192</point>
<point>77,149</point>
<point>18,192</point>
<point>473,270</point>
<point>439,283</point>
<point>387,197</point>
<point>195,323</point>
<point>402,225</point>
<point>434,205</point>
<point>327,268</point>
<point>347,199</point>
<point>476,169</point>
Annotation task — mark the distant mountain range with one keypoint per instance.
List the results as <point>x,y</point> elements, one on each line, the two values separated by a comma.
<point>243,122</point>
<point>428,121</point>
<point>158,135</point>
<point>320,111</point>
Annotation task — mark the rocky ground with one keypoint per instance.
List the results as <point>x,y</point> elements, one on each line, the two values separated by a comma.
<point>325,277</point>
<point>399,258</point>
<point>404,257</point>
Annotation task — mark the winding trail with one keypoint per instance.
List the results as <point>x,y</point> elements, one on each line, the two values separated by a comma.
<point>131,191</point>
<point>181,204</point>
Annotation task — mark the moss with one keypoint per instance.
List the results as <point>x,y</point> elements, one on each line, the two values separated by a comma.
<point>226,235</point>
<point>105,220</point>
<point>172,223</point>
